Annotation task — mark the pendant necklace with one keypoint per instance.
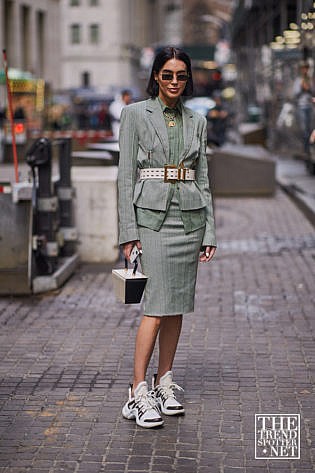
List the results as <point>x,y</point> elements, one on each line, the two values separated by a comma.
<point>170,116</point>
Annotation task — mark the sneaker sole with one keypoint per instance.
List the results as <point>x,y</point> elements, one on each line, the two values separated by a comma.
<point>127,414</point>
<point>164,411</point>
<point>149,425</point>
<point>130,415</point>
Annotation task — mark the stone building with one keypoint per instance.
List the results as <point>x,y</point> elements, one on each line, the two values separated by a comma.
<point>102,41</point>
<point>29,31</point>
<point>99,43</point>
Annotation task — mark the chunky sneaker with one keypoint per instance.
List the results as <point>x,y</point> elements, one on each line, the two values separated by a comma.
<point>165,397</point>
<point>143,407</point>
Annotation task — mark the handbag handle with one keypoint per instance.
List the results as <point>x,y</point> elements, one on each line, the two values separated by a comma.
<point>135,266</point>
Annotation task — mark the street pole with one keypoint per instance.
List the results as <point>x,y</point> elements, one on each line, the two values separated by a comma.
<point>15,159</point>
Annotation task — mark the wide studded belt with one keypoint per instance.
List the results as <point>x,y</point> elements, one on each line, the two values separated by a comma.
<point>170,173</point>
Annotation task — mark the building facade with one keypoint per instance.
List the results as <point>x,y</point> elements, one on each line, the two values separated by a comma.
<point>206,21</point>
<point>102,41</point>
<point>29,31</point>
<point>99,43</point>
<point>270,40</point>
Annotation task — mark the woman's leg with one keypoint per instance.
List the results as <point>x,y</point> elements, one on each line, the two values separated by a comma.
<point>170,328</point>
<point>145,341</point>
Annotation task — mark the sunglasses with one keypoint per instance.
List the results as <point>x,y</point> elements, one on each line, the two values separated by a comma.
<point>168,76</point>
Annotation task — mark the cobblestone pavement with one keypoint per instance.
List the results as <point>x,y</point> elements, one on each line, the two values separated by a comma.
<point>66,360</point>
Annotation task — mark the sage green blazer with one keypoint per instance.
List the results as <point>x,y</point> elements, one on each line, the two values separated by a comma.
<point>143,143</point>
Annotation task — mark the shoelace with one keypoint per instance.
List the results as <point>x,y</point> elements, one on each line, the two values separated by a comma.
<point>147,400</point>
<point>169,390</point>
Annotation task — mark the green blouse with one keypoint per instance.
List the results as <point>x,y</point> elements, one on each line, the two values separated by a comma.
<point>175,133</point>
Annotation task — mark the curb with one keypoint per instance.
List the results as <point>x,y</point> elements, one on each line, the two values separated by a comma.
<point>302,199</point>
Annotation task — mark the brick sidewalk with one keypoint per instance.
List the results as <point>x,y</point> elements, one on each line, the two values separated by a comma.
<point>65,360</point>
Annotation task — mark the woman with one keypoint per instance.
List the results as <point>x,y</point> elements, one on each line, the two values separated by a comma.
<point>165,209</point>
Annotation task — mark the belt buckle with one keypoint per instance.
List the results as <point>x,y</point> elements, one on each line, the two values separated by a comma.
<point>182,172</point>
<point>166,168</point>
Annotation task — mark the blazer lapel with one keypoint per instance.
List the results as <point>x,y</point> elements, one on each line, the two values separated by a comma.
<point>156,118</point>
<point>188,130</point>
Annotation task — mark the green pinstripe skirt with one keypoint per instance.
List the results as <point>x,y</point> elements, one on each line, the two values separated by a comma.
<point>170,260</point>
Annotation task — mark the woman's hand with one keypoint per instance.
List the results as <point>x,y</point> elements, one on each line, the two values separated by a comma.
<point>127,248</point>
<point>208,254</point>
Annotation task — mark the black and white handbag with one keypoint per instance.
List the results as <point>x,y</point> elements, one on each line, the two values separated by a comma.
<point>129,283</point>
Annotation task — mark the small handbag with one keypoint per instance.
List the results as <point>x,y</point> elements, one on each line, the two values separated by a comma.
<point>129,284</point>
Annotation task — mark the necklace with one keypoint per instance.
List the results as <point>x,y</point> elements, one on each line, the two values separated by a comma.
<point>170,116</point>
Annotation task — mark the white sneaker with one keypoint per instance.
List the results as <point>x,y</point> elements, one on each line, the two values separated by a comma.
<point>165,397</point>
<point>143,407</point>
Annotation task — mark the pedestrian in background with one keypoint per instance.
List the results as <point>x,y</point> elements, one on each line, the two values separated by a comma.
<point>115,110</point>
<point>165,208</point>
<point>104,119</point>
<point>217,121</point>
<point>303,93</point>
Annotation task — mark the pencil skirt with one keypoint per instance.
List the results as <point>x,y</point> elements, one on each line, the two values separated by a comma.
<point>170,260</point>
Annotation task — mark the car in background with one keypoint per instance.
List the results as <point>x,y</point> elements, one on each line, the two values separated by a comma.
<point>201,105</point>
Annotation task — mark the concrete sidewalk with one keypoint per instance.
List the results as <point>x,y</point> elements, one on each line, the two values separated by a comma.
<point>66,360</point>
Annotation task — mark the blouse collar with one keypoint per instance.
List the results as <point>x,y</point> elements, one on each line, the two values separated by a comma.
<point>178,106</point>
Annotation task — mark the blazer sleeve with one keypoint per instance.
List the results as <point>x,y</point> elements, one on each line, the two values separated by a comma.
<point>127,175</point>
<point>209,238</point>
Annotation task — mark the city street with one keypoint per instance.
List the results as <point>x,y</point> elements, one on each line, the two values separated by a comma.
<point>66,360</point>
<point>74,76</point>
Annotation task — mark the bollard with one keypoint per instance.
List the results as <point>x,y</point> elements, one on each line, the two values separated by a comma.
<point>64,192</point>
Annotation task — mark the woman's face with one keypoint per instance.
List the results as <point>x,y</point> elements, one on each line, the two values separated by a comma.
<point>172,80</point>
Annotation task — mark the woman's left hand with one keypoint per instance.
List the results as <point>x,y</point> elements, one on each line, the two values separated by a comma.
<point>208,254</point>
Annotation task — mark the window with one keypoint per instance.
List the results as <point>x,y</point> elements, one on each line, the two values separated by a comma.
<point>75,32</point>
<point>74,3</point>
<point>94,34</point>
<point>86,79</point>
<point>94,3</point>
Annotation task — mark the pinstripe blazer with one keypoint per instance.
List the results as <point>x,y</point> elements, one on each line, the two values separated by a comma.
<point>144,143</point>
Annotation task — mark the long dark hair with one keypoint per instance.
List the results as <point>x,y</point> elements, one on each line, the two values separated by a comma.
<point>160,59</point>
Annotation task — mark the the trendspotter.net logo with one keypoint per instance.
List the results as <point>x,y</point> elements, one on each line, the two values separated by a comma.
<point>277,436</point>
